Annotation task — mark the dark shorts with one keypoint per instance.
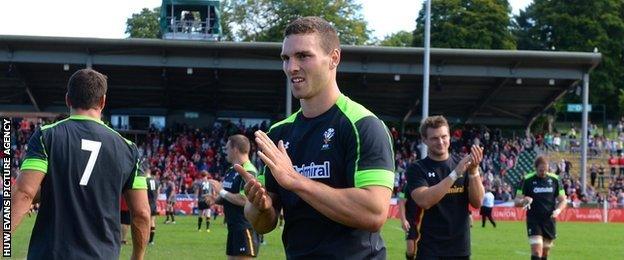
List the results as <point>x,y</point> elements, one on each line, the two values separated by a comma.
<point>126,219</point>
<point>242,242</point>
<point>485,211</point>
<point>153,209</point>
<point>202,205</point>
<point>545,228</point>
<point>411,233</point>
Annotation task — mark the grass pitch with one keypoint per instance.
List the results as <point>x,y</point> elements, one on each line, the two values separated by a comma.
<point>507,241</point>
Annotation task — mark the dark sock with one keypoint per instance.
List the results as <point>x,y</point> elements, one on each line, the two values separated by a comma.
<point>152,231</point>
<point>409,257</point>
<point>534,257</point>
<point>172,218</point>
<point>167,214</point>
<point>544,257</point>
<point>207,223</point>
<point>199,221</point>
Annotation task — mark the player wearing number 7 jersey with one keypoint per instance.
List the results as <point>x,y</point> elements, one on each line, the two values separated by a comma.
<point>82,167</point>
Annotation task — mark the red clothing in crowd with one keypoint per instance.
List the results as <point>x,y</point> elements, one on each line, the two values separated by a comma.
<point>621,161</point>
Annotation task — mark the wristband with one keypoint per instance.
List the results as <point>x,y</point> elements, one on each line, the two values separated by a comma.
<point>453,175</point>
<point>222,193</point>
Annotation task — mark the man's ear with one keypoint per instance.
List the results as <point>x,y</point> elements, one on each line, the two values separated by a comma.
<point>67,102</point>
<point>102,102</point>
<point>334,58</point>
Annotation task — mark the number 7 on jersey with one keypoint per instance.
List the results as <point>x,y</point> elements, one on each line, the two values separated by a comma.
<point>94,148</point>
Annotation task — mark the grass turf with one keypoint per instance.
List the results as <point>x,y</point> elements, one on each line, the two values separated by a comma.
<point>507,241</point>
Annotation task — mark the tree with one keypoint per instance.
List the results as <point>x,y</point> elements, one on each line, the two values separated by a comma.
<point>475,24</point>
<point>582,26</point>
<point>398,39</point>
<point>265,20</point>
<point>144,24</point>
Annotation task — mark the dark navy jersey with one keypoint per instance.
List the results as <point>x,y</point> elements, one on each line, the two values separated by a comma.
<point>234,183</point>
<point>345,147</point>
<point>152,191</point>
<point>544,192</point>
<point>445,227</point>
<point>87,166</point>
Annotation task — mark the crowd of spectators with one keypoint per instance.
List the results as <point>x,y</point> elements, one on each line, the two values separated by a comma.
<point>182,152</point>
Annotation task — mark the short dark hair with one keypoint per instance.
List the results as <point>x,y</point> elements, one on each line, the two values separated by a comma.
<point>432,122</point>
<point>313,24</point>
<point>85,88</point>
<point>240,142</point>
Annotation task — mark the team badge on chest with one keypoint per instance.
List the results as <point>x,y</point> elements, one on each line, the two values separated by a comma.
<point>327,136</point>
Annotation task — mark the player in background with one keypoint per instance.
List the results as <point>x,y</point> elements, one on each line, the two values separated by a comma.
<point>153,189</point>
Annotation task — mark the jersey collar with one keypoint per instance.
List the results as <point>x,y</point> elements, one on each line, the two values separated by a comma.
<point>81,117</point>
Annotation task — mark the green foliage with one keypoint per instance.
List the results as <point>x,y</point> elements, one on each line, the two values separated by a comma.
<point>580,26</point>
<point>398,39</point>
<point>474,24</point>
<point>265,20</point>
<point>144,24</point>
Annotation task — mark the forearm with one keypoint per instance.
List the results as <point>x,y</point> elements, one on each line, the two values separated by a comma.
<point>262,221</point>
<point>562,203</point>
<point>140,233</point>
<point>475,190</point>
<point>20,202</point>
<point>360,208</point>
<point>402,210</point>
<point>427,197</point>
<point>236,199</point>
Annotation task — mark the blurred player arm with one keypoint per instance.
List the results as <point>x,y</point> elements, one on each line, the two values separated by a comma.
<point>427,197</point>
<point>475,185</point>
<point>140,211</point>
<point>25,190</point>
<point>561,200</point>
<point>135,193</point>
<point>522,199</point>
<point>234,198</point>
<point>404,222</point>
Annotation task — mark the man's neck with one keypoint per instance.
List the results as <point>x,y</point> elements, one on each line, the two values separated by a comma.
<point>240,160</point>
<point>93,113</point>
<point>438,158</point>
<point>320,103</point>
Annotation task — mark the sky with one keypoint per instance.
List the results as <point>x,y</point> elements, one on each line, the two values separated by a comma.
<point>107,18</point>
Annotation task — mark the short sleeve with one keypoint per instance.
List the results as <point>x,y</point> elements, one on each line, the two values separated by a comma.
<point>415,177</point>
<point>374,161</point>
<point>137,180</point>
<point>36,156</point>
<point>524,187</point>
<point>560,190</point>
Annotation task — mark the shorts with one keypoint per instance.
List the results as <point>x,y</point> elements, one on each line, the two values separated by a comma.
<point>545,228</point>
<point>202,205</point>
<point>242,242</point>
<point>153,209</point>
<point>126,219</point>
<point>485,211</point>
<point>411,233</point>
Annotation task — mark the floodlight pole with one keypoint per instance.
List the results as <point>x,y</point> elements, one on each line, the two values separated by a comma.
<point>584,134</point>
<point>425,98</point>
